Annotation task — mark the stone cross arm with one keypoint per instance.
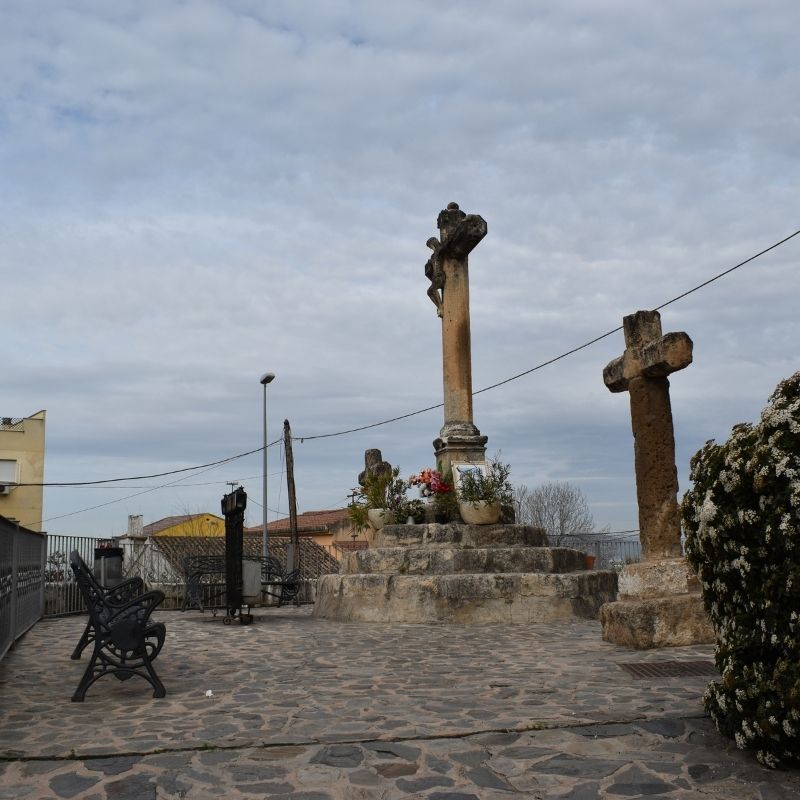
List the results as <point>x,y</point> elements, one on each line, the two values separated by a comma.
<point>463,239</point>
<point>654,358</point>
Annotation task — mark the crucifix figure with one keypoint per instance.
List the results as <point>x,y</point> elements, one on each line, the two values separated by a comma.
<point>642,371</point>
<point>447,270</point>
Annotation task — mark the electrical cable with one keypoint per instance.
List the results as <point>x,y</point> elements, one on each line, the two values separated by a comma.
<point>302,439</point>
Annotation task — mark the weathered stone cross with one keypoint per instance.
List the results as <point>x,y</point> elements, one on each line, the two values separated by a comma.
<point>447,270</point>
<point>642,370</point>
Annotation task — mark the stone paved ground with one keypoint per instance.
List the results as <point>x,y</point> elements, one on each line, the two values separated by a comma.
<point>315,710</point>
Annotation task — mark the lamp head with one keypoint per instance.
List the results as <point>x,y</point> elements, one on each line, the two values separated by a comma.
<point>267,378</point>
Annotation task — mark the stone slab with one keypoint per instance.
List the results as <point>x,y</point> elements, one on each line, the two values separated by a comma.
<point>448,560</point>
<point>542,708</point>
<point>657,578</point>
<point>657,622</point>
<point>456,534</point>
<point>484,599</point>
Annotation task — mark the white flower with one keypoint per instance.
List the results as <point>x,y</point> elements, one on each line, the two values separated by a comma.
<point>707,511</point>
<point>767,759</point>
<point>209,693</point>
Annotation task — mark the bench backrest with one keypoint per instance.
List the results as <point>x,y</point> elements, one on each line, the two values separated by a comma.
<point>93,593</point>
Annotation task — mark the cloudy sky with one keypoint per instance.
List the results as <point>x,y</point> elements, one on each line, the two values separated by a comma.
<point>195,193</point>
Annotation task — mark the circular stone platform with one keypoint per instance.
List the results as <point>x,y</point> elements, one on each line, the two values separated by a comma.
<point>472,574</point>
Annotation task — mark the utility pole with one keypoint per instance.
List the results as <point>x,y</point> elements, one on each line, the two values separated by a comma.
<point>294,546</point>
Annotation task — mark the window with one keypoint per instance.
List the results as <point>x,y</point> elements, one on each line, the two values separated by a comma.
<point>8,471</point>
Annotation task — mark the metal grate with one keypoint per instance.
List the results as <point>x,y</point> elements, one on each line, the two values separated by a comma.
<point>670,669</point>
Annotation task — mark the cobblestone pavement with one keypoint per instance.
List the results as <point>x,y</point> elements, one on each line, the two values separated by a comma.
<point>315,710</point>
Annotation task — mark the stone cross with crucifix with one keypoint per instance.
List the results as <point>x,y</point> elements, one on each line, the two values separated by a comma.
<point>447,269</point>
<point>659,600</point>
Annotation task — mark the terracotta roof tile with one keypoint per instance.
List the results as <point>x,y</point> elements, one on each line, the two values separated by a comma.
<point>307,522</point>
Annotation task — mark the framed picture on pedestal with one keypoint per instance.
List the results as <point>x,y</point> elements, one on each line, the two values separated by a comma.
<point>461,468</point>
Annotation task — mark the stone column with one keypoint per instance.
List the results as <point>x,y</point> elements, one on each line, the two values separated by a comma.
<point>659,601</point>
<point>448,271</point>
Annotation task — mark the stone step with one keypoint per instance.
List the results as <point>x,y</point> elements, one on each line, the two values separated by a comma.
<point>456,534</point>
<point>486,599</point>
<point>449,560</point>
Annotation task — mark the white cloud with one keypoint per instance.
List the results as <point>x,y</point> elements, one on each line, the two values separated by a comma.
<point>197,193</point>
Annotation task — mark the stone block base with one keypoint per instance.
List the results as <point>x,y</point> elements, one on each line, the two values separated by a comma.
<point>484,599</point>
<point>657,578</point>
<point>654,622</point>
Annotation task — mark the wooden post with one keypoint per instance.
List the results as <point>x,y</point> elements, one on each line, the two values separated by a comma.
<point>294,547</point>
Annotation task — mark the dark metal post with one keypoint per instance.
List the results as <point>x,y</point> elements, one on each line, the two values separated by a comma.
<point>15,548</point>
<point>233,506</point>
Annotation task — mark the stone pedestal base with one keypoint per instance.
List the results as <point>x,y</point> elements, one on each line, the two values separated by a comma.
<point>657,622</point>
<point>467,599</point>
<point>657,578</point>
<point>468,574</point>
<point>459,442</point>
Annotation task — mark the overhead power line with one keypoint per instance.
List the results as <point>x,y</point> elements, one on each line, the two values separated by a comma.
<point>563,355</point>
<point>438,405</point>
<point>155,474</point>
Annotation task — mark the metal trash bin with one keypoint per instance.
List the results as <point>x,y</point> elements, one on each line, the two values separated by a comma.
<point>108,566</point>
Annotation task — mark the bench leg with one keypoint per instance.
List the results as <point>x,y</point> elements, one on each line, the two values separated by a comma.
<point>86,637</point>
<point>90,675</point>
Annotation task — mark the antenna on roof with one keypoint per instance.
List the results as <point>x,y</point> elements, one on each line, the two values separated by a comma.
<point>232,484</point>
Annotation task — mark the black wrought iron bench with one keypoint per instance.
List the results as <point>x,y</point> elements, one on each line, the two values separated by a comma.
<point>125,640</point>
<point>117,595</point>
<point>205,582</point>
<point>277,583</point>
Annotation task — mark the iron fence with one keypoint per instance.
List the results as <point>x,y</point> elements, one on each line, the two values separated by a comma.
<point>610,552</point>
<point>61,593</point>
<point>144,559</point>
<point>22,584</point>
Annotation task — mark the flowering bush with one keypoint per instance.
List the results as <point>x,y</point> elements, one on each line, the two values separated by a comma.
<point>742,520</point>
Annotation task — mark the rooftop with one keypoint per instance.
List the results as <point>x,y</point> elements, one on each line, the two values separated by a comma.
<point>306,708</point>
<point>307,522</point>
<point>168,522</point>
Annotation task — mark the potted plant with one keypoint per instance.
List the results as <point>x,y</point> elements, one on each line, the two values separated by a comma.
<point>482,493</point>
<point>438,489</point>
<point>382,499</point>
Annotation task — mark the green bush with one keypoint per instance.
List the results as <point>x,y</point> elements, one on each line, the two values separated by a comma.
<point>742,523</point>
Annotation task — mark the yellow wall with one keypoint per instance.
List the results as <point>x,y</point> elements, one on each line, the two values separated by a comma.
<point>24,443</point>
<point>201,525</point>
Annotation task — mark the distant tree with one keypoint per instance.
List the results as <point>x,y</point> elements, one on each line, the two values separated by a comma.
<point>559,508</point>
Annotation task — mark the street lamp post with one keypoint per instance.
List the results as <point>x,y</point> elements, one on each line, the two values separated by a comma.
<point>265,379</point>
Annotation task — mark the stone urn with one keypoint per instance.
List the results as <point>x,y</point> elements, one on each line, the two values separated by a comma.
<point>480,512</point>
<point>376,518</point>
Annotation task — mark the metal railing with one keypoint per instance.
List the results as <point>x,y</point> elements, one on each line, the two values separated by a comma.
<point>61,593</point>
<point>611,552</point>
<point>22,568</point>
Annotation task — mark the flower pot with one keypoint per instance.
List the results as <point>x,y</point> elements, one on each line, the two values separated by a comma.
<point>590,561</point>
<point>480,512</point>
<point>376,518</point>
